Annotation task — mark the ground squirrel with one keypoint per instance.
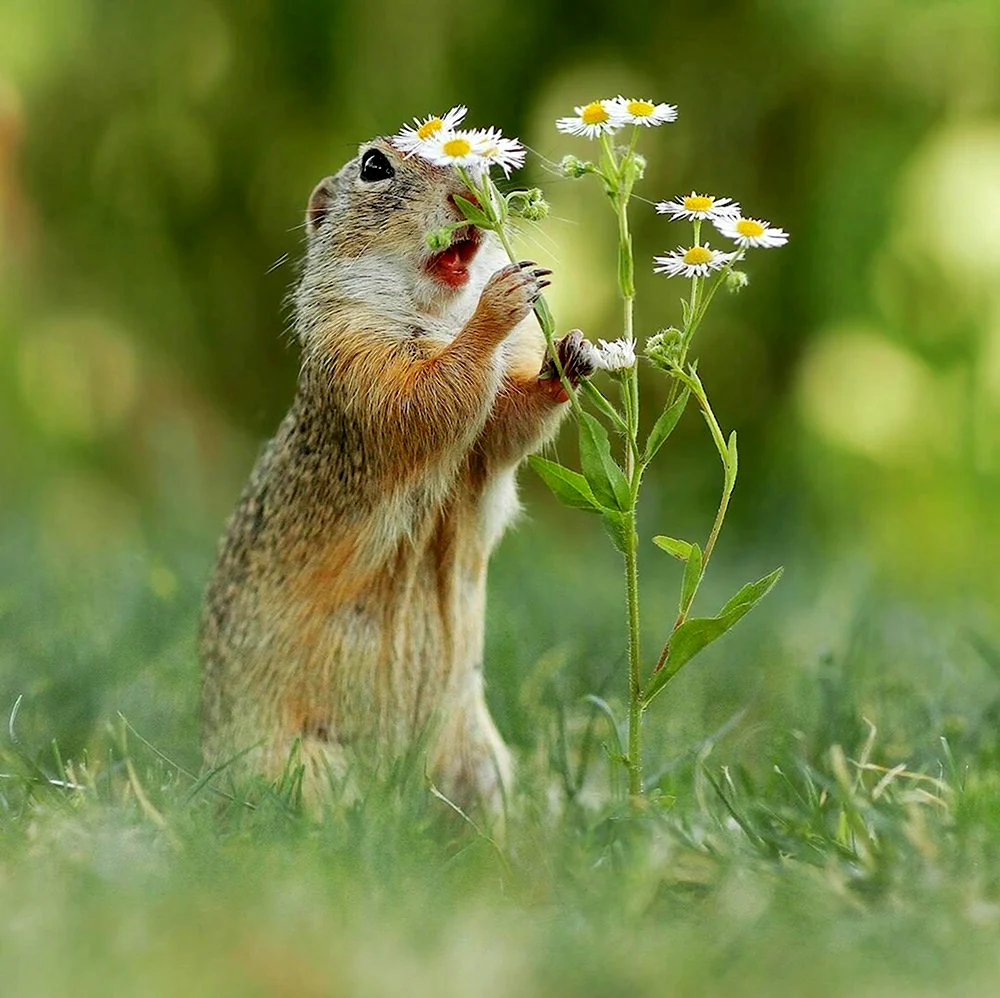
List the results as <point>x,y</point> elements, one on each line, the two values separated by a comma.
<point>345,613</point>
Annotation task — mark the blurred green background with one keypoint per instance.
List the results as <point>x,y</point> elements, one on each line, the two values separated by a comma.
<point>155,160</point>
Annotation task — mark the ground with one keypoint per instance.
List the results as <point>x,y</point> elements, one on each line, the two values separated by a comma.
<point>819,822</point>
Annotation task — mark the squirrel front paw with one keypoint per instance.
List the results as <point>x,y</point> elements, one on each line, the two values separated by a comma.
<point>510,294</point>
<point>578,362</point>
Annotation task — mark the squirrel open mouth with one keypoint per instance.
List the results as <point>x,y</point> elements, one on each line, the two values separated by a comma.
<point>451,266</point>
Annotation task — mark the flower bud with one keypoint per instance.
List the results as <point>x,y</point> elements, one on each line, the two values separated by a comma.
<point>530,205</point>
<point>438,239</point>
<point>736,281</point>
<point>663,348</point>
<point>575,168</point>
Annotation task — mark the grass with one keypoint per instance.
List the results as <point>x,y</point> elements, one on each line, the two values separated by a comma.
<point>821,822</point>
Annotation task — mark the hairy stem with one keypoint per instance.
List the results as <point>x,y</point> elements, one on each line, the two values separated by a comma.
<point>720,516</point>
<point>633,472</point>
<point>694,383</point>
<point>635,787</point>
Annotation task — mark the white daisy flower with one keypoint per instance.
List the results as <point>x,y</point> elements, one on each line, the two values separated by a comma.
<point>460,148</point>
<point>411,136</point>
<point>496,150</point>
<point>644,112</point>
<point>699,206</point>
<point>599,117</point>
<point>618,355</point>
<point>697,261</point>
<point>751,232</point>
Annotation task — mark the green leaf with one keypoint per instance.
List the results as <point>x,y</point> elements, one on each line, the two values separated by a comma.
<point>605,708</point>
<point>679,549</point>
<point>602,403</point>
<point>568,486</point>
<point>692,578</point>
<point>617,527</point>
<point>605,477</point>
<point>732,463</point>
<point>751,594</point>
<point>698,632</point>
<point>473,212</point>
<point>664,426</point>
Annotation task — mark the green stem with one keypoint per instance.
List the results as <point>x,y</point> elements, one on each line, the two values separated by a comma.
<point>694,320</point>
<point>626,267</point>
<point>716,527</point>
<point>609,164</point>
<point>633,472</point>
<point>698,390</point>
<point>543,315</point>
<point>626,283</point>
<point>693,306</point>
<point>693,382</point>
<point>720,516</point>
<point>635,787</point>
<point>635,139</point>
<point>695,311</point>
<point>617,184</point>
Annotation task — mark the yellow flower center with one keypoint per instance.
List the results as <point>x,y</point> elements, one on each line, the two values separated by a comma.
<point>457,147</point>
<point>698,202</point>
<point>749,227</point>
<point>640,108</point>
<point>698,254</point>
<point>428,128</point>
<point>594,114</point>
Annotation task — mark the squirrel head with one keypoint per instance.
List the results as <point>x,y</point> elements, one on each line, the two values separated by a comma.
<point>366,230</point>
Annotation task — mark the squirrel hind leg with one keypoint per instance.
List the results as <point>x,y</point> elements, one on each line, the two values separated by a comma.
<point>474,768</point>
<point>314,769</point>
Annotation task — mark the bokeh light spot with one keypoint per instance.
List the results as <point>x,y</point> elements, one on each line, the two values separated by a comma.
<point>78,377</point>
<point>864,393</point>
<point>951,199</point>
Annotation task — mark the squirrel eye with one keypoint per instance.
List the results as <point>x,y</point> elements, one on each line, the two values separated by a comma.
<point>376,166</point>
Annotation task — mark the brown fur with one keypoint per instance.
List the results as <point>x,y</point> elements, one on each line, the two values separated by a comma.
<point>346,609</point>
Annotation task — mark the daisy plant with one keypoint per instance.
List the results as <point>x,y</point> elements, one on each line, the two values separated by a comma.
<point>613,463</point>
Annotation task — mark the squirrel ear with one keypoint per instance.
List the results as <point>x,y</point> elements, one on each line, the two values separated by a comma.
<point>319,204</point>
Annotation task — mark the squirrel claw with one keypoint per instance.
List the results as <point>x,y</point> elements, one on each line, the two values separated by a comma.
<point>576,355</point>
<point>511,293</point>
